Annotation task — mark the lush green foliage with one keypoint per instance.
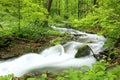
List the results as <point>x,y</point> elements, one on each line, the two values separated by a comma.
<point>35,32</point>
<point>101,17</point>
<point>104,19</point>
<point>7,77</point>
<point>43,77</point>
<point>33,12</point>
<point>32,17</point>
<point>98,72</point>
<point>29,31</point>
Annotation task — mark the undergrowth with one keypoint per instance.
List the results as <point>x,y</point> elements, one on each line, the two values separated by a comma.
<point>100,71</point>
<point>29,31</point>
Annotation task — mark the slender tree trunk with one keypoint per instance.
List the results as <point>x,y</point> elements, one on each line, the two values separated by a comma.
<point>49,5</point>
<point>56,7</point>
<point>19,15</point>
<point>78,9</point>
<point>59,8</point>
<point>94,2</point>
<point>67,6</point>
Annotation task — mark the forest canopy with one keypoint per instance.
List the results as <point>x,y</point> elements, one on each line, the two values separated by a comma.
<point>96,16</point>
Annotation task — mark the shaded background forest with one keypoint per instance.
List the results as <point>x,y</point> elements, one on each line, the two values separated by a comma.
<point>94,16</point>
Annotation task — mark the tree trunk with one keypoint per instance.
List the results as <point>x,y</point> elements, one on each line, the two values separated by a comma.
<point>59,8</point>
<point>78,9</point>
<point>67,6</point>
<point>19,15</point>
<point>49,5</point>
<point>94,2</point>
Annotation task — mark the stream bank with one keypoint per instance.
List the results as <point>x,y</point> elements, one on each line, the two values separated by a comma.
<point>11,47</point>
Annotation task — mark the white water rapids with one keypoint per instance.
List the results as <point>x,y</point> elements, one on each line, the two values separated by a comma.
<point>55,58</point>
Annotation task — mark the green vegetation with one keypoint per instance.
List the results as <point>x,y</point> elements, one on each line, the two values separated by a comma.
<point>97,73</point>
<point>104,19</point>
<point>95,16</point>
<point>31,20</point>
<point>7,77</point>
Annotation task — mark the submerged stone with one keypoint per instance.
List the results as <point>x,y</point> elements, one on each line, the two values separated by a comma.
<point>83,51</point>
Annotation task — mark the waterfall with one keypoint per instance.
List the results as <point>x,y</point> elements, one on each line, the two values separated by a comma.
<point>56,58</point>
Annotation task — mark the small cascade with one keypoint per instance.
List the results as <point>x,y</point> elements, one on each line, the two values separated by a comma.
<point>56,58</point>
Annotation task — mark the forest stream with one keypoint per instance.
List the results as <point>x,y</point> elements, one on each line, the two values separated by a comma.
<point>76,53</point>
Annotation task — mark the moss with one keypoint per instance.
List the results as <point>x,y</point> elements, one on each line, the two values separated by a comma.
<point>83,51</point>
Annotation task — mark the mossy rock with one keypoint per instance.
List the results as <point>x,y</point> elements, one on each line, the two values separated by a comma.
<point>83,51</point>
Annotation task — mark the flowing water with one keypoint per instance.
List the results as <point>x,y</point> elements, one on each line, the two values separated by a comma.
<point>56,58</point>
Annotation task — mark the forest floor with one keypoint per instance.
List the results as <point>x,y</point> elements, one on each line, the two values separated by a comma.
<point>15,47</point>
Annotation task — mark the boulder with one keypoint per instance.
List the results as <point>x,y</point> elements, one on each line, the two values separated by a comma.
<point>83,51</point>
